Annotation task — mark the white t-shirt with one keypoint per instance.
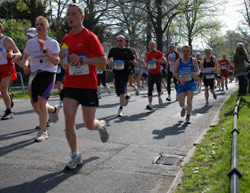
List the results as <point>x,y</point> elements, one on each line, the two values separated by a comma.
<point>171,55</point>
<point>38,61</point>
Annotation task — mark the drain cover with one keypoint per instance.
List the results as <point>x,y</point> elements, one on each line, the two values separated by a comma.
<point>168,160</point>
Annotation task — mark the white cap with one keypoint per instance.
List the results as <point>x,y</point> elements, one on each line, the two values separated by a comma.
<point>32,32</point>
<point>198,53</point>
<point>171,44</point>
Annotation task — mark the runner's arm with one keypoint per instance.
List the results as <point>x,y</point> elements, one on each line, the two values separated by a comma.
<point>24,63</point>
<point>215,62</point>
<point>52,58</point>
<point>195,74</point>
<point>10,45</point>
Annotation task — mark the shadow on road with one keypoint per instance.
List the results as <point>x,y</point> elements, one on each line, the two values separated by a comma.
<point>135,117</point>
<point>201,110</point>
<point>47,182</point>
<point>16,134</point>
<point>108,105</point>
<point>24,112</point>
<point>176,129</point>
<point>15,146</point>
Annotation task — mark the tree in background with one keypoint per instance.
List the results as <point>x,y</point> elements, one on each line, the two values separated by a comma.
<point>198,22</point>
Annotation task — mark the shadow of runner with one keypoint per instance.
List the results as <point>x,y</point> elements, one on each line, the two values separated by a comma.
<point>15,146</point>
<point>47,182</point>
<point>173,130</point>
<point>16,134</point>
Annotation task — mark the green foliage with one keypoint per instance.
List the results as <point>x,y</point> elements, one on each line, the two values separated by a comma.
<point>207,170</point>
<point>16,29</point>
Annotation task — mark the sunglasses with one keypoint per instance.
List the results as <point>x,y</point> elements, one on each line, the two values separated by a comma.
<point>119,40</point>
<point>185,51</point>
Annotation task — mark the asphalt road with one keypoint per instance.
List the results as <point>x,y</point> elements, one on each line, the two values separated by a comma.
<point>122,165</point>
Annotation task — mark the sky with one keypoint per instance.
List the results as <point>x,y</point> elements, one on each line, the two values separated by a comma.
<point>231,14</point>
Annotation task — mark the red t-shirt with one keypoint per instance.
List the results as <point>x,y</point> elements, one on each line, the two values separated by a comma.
<point>86,43</point>
<point>156,55</point>
<point>224,64</point>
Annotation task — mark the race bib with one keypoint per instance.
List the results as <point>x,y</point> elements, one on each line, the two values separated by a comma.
<point>186,77</point>
<point>79,69</point>
<point>210,76</point>
<point>99,71</point>
<point>224,67</point>
<point>1,54</point>
<point>59,69</point>
<point>151,64</point>
<point>118,64</point>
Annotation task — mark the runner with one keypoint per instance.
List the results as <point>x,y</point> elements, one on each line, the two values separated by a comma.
<point>42,55</point>
<point>138,68</point>
<point>186,71</point>
<point>131,73</point>
<point>122,57</point>
<point>60,73</point>
<point>231,73</point>
<point>101,76</point>
<point>144,76</point>
<point>198,59</point>
<point>164,75</point>
<point>80,85</point>
<point>8,50</point>
<point>154,58</point>
<point>224,66</point>
<point>171,57</point>
<point>209,67</point>
<point>218,77</point>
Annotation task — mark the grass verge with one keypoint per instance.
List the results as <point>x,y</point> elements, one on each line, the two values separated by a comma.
<point>208,168</point>
<point>20,95</point>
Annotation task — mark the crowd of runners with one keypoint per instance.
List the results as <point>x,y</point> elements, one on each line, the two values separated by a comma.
<point>79,69</point>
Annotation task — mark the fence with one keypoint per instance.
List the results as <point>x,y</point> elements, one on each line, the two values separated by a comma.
<point>235,174</point>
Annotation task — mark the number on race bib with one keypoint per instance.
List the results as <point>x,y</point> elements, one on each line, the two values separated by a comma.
<point>186,77</point>
<point>118,64</point>
<point>151,64</point>
<point>210,76</point>
<point>78,69</point>
<point>99,71</point>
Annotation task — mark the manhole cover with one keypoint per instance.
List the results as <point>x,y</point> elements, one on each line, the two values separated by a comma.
<point>168,160</point>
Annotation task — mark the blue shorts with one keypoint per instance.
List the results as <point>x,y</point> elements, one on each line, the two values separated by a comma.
<point>188,86</point>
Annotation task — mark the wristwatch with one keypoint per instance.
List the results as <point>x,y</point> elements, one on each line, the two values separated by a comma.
<point>45,51</point>
<point>81,60</point>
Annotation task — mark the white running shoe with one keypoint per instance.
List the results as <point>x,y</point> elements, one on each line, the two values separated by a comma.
<point>53,117</point>
<point>75,161</point>
<point>104,135</point>
<point>42,136</point>
<point>120,112</point>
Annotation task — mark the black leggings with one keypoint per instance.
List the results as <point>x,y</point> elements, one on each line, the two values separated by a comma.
<point>154,78</point>
<point>102,78</point>
<point>169,77</point>
<point>242,84</point>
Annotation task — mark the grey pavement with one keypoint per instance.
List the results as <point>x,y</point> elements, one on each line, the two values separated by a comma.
<point>122,165</point>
